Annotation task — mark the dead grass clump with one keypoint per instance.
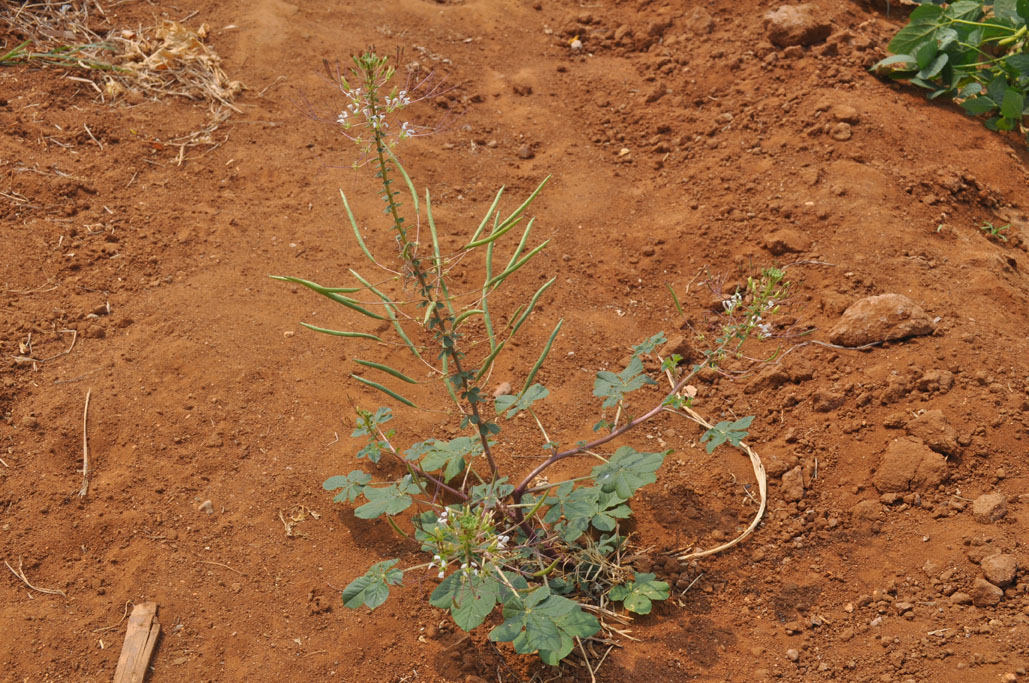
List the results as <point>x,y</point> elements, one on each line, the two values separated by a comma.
<point>165,60</point>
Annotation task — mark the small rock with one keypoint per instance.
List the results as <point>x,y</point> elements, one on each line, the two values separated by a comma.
<point>845,113</point>
<point>903,607</point>
<point>29,422</point>
<point>886,317</point>
<point>826,401</point>
<point>985,594</point>
<point>999,569</point>
<point>698,20</point>
<point>935,430</point>
<point>525,152</point>
<point>793,654</point>
<point>793,485</point>
<point>936,380</point>
<point>909,465</point>
<point>786,241</point>
<point>989,507</point>
<point>796,25</point>
<point>959,598</point>
<point>207,506</point>
<point>841,131</point>
<point>868,510</point>
<point>503,389</point>
<point>575,45</point>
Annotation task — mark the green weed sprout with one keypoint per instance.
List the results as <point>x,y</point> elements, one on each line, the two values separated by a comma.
<point>547,554</point>
<point>995,231</point>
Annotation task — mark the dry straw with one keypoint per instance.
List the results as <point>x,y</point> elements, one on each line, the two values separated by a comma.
<point>169,59</point>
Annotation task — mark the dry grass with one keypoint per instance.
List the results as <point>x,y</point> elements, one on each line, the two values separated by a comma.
<point>165,60</point>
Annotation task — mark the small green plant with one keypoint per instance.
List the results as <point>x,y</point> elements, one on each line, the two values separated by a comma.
<point>995,231</point>
<point>970,51</point>
<point>547,553</point>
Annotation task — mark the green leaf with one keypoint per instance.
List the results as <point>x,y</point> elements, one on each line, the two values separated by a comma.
<point>490,493</point>
<point>997,88</point>
<point>615,386</point>
<point>372,589</point>
<point>351,486</point>
<point>925,54</point>
<point>544,623</point>
<point>880,66</point>
<point>391,500</point>
<point>964,10</point>
<point>649,345</point>
<point>978,105</point>
<point>367,423</point>
<point>1006,9</point>
<point>1013,103</point>
<point>469,598</point>
<point>448,455</point>
<point>922,24</point>
<point>637,595</point>
<point>935,67</point>
<point>1019,62</point>
<point>628,470</point>
<point>733,432</point>
<point>523,401</point>
<point>1022,7</point>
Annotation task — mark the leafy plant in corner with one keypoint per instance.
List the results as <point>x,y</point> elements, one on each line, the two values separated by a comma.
<point>996,232</point>
<point>546,554</point>
<point>970,51</point>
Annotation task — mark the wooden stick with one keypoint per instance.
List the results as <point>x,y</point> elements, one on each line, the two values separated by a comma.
<point>85,449</point>
<point>140,638</point>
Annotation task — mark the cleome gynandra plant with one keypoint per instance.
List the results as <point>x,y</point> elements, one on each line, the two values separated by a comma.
<point>546,552</point>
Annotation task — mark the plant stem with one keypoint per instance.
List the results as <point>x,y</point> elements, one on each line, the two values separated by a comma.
<point>443,325</point>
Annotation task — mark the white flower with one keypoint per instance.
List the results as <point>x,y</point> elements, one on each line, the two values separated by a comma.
<point>342,118</point>
<point>765,330</point>
<point>405,130</point>
<point>441,574</point>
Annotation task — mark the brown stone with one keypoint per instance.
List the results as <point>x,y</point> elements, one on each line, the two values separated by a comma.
<point>796,25</point>
<point>880,318</point>
<point>786,241</point>
<point>935,430</point>
<point>999,569</point>
<point>985,594</point>
<point>909,464</point>
<point>793,485</point>
<point>989,507</point>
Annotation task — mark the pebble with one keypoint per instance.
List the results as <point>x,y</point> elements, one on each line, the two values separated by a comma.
<point>525,152</point>
<point>503,389</point>
<point>989,507</point>
<point>793,654</point>
<point>985,594</point>
<point>999,569</point>
<point>207,506</point>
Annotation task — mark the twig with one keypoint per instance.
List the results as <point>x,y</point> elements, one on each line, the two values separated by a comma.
<point>20,573</point>
<point>29,359</point>
<point>85,448</point>
<point>219,564</point>
<point>111,628</point>
<point>90,133</point>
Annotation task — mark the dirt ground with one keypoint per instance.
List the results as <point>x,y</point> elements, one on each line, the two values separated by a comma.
<point>686,150</point>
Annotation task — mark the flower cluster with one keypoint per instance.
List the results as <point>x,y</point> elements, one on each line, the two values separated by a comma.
<point>466,536</point>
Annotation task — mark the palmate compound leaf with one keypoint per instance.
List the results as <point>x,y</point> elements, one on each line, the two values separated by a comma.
<point>389,500</point>
<point>628,470</point>
<point>649,345</point>
<point>350,486</point>
<point>733,432</point>
<point>637,595</point>
<point>372,589</point>
<point>544,623</point>
<point>469,597</point>
<point>612,387</point>
<point>580,507</point>
<point>446,455</point>
<point>515,404</point>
